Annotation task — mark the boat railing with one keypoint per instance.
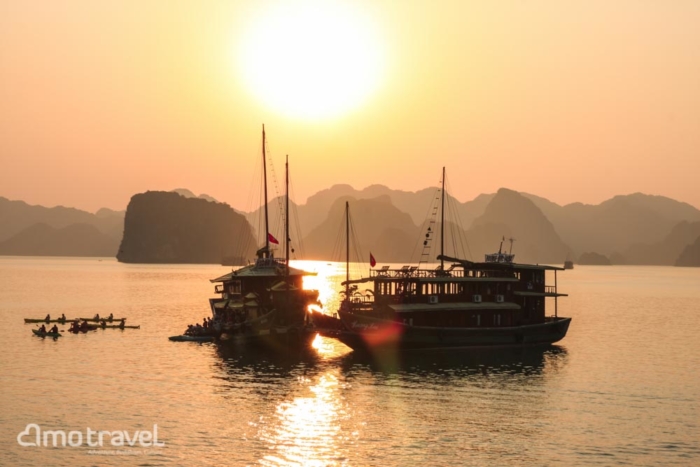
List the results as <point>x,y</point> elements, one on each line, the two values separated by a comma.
<point>269,262</point>
<point>550,289</point>
<point>414,271</point>
<point>219,288</point>
<point>499,258</point>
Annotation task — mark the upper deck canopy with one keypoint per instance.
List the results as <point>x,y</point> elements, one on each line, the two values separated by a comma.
<point>466,264</point>
<point>265,267</point>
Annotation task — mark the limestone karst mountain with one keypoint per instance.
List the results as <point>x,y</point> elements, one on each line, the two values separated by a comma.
<point>165,227</point>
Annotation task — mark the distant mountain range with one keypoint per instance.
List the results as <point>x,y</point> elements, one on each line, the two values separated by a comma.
<point>58,231</point>
<point>392,224</point>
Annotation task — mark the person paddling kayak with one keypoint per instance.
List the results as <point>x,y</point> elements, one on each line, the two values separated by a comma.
<point>48,318</point>
<point>54,329</point>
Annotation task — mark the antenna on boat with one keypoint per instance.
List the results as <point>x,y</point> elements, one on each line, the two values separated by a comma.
<point>267,226</point>
<point>442,223</point>
<point>500,247</point>
<point>511,239</point>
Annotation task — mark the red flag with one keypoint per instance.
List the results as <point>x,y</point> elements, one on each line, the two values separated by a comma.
<point>272,239</point>
<point>372,261</point>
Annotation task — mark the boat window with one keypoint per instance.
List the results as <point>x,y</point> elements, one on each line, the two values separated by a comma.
<point>234,287</point>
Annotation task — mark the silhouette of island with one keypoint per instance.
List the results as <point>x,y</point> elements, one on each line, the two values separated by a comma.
<point>165,227</point>
<point>593,259</point>
<point>690,256</point>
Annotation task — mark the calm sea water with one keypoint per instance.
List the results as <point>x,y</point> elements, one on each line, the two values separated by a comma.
<point>623,388</point>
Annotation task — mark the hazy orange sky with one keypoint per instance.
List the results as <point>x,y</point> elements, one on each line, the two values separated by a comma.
<point>569,100</point>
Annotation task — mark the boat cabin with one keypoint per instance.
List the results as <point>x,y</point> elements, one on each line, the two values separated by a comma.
<point>495,293</point>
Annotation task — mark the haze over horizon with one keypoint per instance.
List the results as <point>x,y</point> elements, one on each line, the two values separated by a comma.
<point>570,102</point>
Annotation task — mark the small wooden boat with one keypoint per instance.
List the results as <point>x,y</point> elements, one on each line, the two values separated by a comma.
<point>184,338</point>
<point>46,334</point>
<point>37,320</point>
<point>102,318</point>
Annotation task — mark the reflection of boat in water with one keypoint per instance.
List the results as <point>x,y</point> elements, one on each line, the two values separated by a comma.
<point>526,360</point>
<point>451,363</point>
<point>264,302</point>
<point>496,302</point>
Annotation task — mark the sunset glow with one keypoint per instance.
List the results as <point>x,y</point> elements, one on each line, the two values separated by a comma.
<point>104,100</point>
<point>311,61</point>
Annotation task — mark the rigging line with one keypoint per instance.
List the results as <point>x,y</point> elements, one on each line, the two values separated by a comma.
<point>338,245</point>
<point>429,219</point>
<point>251,214</point>
<point>433,222</point>
<point>462,231</point>
<point>357,250</point>
<point>297,224</point>
<point>279,220</point>
<point>273,174</point>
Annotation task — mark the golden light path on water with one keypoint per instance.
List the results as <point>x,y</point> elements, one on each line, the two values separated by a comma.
<point>308,431</point>
<point>327,281</point>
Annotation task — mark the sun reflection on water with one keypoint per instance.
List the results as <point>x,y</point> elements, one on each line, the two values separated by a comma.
<point>326,281</point>
<point>307,429</point>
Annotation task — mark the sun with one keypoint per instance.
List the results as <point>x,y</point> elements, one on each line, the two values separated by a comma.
<point>311,60</point>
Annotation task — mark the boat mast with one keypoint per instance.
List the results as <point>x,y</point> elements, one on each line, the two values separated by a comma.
<point>347,249</point>
<point>286,216</point>
<point>286,232</point>
<point>442,223</point>
<point>267,227</point>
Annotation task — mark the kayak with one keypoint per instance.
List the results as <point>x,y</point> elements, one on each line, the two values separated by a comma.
<point>117,326</point>
<point>36,320</point>
<point>184,338</point>
<point>46,334</point>
<point>102,318</point>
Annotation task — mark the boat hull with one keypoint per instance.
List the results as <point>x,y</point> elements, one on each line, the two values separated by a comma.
<point>46,334</point>
<point>367,333</point>
<point>277,337</point>
<point>117,326</point>
<point>184,338</point>
<point>107,320</point>
<point>37,320</point>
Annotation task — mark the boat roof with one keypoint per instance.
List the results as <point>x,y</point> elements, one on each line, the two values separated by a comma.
<point>272,268</point>
<point>463,306</point>
<point>466,264</point>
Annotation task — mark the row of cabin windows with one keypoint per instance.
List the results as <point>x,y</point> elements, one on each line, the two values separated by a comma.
<point>397,288</point>
<point>463,320</point>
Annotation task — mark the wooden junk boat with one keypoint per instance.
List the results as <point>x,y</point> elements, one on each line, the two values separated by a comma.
<point>496,302</point>
<point>265,302</point>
